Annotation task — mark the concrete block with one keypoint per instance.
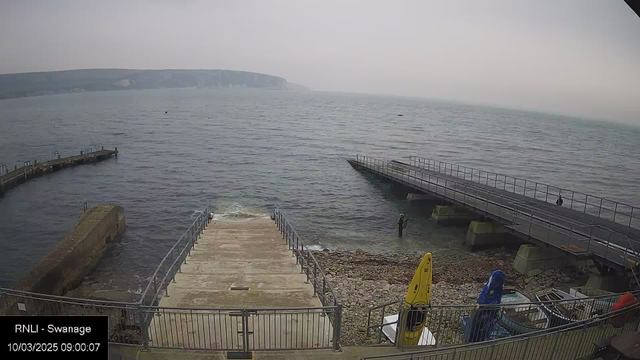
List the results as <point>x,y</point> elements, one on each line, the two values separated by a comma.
<point>486,234</point>
<point>531,257</point>
<point>607,282</point>
<point>532,252</point>
<point>445,214</point>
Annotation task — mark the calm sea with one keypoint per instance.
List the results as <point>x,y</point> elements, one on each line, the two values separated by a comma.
<point>244,150</point>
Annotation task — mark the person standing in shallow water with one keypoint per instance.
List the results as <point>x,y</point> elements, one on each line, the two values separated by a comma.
<point>402,224</point>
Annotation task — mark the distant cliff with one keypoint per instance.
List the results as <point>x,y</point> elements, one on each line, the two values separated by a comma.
<point>59,82</point>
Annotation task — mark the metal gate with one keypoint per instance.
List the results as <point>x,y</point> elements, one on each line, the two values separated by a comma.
<point>243,329</point>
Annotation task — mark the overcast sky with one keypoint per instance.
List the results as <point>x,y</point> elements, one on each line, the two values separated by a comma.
<point>578,57</point>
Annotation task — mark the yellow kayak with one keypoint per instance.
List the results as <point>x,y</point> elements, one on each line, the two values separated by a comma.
<point>416,301</point>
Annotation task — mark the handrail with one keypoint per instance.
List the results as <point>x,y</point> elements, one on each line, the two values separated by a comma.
<point>67,299</point>
<point>239,308</point>
<point>299,249</point>
<point>174,263</point>
<point>492,179</point>
<point>593,302</point>
<point>494,306</point>
<point>583,324</point>
<point>511,214</point>
<point>29,166</point>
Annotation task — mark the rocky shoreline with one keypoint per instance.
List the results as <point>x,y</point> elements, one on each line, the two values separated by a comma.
<point>362,280</point>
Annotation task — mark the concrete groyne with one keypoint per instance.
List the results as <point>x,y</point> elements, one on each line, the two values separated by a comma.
<point>63,268</point>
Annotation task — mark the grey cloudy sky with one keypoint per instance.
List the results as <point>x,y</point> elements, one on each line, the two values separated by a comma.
<point>577,57</point>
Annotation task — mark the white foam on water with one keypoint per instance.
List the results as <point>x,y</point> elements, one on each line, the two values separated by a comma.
<point>237,212</point>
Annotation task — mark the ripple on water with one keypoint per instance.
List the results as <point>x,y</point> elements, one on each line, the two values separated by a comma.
<point>244,151</point>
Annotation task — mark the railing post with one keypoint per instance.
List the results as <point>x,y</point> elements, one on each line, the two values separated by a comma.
<point>615,212</point>
<point>155,286</point>
<point>307,265</point>
<point>245,330</point>
<point>144,328</point>
<point>315,276</point>
<point>301,262</point>
<point>402,315</point>
<point>590,237</point>
<point>546,199</point>
<point>438,327</point>
<point>324,290</point>
<point>600,208</point>
<point>337,327</point>
<point>586,200</point>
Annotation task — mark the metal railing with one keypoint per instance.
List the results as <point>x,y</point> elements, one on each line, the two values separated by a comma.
<point>450,325</point>
<point>173,260</point>
<point>28,166</point>
<point>124,318</point>
<point>191,328</point>
<point>308,263</point>
<point>567,342</point>
<point>561,232</point>
<point>612,210</point>
<point>233,329</point>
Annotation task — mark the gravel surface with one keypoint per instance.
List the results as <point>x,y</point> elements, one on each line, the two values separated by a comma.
<point>363,280</point>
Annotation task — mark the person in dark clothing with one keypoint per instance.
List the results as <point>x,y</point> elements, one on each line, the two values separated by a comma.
<point>559,201</point>
<point>402,223</point>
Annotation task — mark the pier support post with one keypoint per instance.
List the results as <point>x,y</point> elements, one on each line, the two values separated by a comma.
<point>482,235</point>
<point>531,257</point>
<point>613,283</point>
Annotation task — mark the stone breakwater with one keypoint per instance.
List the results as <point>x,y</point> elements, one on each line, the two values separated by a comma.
<point>362,280</point>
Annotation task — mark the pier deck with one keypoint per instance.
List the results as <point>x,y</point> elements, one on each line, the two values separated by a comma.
<point>527,211</point>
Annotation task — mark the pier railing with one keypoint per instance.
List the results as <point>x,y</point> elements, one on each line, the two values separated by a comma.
<point>615,211</point>
<point>124,318</point>
<point>173,260</point>
<point>561,232</point>
<point>11,177</point>
<point>571,341</point>
<point>308,263</point>
<point>451,325</point>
